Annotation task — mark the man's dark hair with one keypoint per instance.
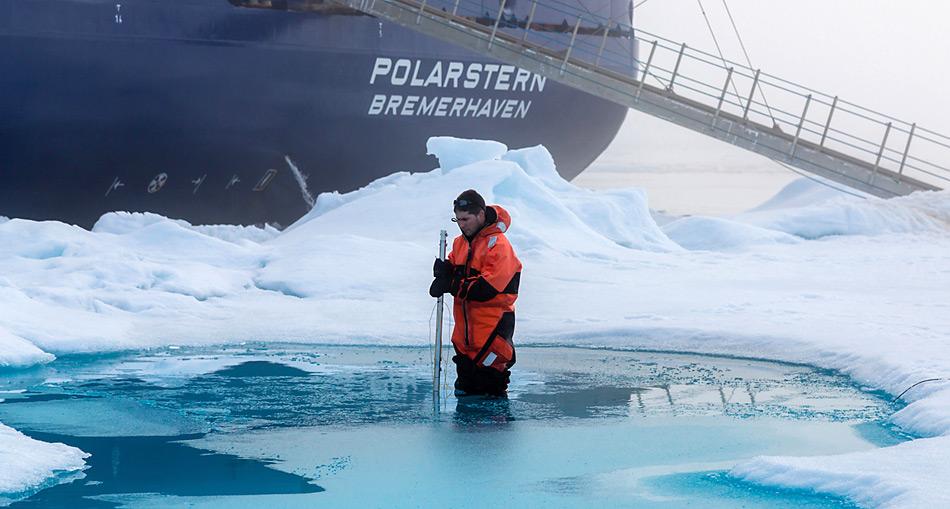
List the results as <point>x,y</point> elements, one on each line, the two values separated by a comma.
<point>469,201</point>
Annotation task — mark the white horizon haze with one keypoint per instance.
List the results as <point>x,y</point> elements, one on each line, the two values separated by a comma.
<point>884,56</point>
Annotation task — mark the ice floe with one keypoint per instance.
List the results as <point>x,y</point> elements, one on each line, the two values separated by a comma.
<point>29,465</point>
<point>869,298</point>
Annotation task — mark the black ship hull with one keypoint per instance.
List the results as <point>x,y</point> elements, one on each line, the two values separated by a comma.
<point>191,109</point>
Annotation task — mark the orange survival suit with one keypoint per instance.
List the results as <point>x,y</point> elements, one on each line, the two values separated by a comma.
<point>485,279</point>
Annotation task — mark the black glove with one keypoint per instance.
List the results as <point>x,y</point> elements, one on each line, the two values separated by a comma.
<point>442,269</point>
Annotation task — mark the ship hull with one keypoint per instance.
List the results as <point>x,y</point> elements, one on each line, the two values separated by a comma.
<point>194,111</point>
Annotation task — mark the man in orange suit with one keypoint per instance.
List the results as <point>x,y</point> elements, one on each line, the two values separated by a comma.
<point>482,273</point>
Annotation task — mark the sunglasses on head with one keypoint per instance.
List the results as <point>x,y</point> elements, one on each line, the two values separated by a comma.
<point>467,205</point>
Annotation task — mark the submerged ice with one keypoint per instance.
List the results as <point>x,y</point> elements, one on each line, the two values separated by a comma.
<point>844,283</point>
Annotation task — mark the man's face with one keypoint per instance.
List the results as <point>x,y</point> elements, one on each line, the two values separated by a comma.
<point>469,223</point>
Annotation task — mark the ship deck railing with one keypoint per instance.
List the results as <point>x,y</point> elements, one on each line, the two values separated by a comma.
<point>787,122</point>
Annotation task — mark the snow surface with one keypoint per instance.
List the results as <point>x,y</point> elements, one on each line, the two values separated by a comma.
<point>851,284</point>
<point>16,352</point>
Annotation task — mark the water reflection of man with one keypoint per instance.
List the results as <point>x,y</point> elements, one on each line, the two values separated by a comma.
<point>470,416</point>
<point>482,273</point>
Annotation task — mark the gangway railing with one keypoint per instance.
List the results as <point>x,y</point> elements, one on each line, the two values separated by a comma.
<point>777,118</point>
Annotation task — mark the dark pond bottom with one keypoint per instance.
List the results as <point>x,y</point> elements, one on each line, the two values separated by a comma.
<point>306,426</point>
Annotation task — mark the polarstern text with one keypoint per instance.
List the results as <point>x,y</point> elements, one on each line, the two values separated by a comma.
<point>452,75</point>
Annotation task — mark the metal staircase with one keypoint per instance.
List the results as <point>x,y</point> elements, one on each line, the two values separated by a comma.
<point>781,120</point>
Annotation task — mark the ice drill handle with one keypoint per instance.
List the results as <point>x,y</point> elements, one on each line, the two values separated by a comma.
<point>437,354</point>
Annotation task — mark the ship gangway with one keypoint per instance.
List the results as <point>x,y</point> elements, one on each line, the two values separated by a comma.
<point>792,124</point>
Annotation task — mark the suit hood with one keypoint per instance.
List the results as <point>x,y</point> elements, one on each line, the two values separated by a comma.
<point>497,220</point>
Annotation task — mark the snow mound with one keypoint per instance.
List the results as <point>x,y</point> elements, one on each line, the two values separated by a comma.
<point>927,415</point>
<point>717,234</point>
<point>16,352</point>
<point>456,152</point>
<point>71,290</point>
<point>919,212</point>
<point>238,234</point>
<point>30,465</point>
<point>548,212</point>
<point>806,191</point>
<point>537,162</point>
<point>36,240</point>
<point>398,217</point>
<point>122,223</point>
<point>900,476</point>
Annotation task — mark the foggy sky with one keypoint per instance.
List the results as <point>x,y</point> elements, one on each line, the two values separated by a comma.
<point>885,55</point>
